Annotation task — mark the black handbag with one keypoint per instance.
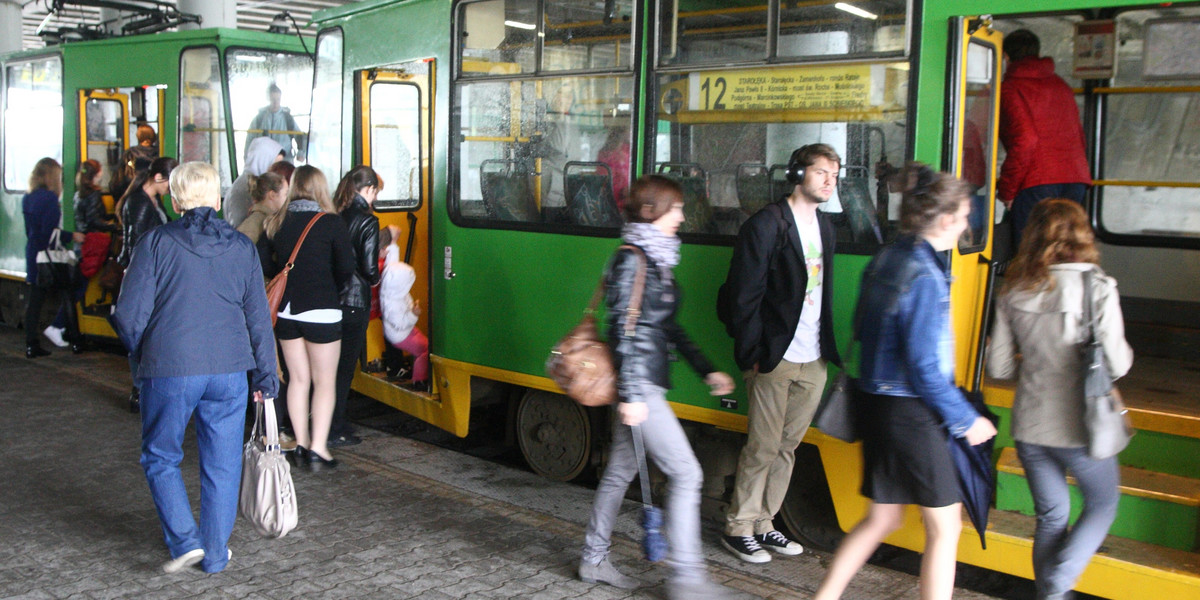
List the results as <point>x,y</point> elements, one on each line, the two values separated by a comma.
<point>836,415</point>
<point>1108,427</point>
<point>55,264</point>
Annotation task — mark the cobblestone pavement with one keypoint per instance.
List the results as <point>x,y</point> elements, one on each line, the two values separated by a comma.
<point>399,519</point>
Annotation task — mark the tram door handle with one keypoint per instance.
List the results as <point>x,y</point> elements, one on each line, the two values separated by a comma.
<point>448,264</point>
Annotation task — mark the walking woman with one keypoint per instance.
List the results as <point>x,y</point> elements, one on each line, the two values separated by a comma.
<point>140,210</point>
<point>654,212</point>
<point>1040,317</point>
<point>42,216</point>
<point>354,198</point>
<point>309,328</point>
<point>908,402</point>
<point>193,311</point>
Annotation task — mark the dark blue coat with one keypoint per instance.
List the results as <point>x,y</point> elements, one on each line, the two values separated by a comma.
<point>42,215</point>
<point>193,303</point>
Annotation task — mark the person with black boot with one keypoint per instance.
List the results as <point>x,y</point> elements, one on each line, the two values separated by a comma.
<point>42,216</point>
<point>354,198</point>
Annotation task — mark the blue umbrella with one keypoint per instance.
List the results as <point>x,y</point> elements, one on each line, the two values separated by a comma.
<point>976,477</point>
<point>653,544</point>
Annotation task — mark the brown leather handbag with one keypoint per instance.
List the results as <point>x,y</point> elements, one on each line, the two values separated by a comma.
<point>581,363</point>
<point>278,283</point>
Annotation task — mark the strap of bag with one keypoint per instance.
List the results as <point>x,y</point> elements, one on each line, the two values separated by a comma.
<point>639,447</point>
<point>1088,319</point>
<point>635,301</point>
<point>292,259</point>
<point>266,425</point>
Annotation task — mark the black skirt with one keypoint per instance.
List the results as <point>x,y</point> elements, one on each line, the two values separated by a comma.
<point>906,459</point>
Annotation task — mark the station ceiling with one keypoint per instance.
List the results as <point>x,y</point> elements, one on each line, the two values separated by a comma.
<point>251,14</point>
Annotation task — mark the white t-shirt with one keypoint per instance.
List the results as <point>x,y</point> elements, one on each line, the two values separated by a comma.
<point>806,342</point>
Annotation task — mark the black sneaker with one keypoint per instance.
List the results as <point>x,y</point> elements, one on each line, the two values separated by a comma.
<point>344,440</point>
<point>778,543</point>
<point>745,547</point>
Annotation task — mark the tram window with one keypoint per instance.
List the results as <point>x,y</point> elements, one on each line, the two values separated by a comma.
<point>977,142</point>
<point>1149,134</point>
<point>396,143</point>
<point>325,133</point>
<point>269,96</point>
<point>106,135</point>
<point>588,35</point>
<point>694,33</point>
<point>33,107</point>
<point>202,134</point>
<point>498,36</point>
<point>727,139</point>
<point>553,150</point>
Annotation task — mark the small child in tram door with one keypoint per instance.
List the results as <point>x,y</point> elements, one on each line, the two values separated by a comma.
<point>398,309</point>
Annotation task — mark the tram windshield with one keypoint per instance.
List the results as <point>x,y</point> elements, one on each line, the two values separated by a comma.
<point>325,134</point>
<point>269,96</point>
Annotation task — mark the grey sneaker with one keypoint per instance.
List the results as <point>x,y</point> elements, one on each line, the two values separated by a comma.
<point>700,591</point>
<point>745,547</point>
<point>778,543</point>
<point>183,561</point>
<point>605,572</point>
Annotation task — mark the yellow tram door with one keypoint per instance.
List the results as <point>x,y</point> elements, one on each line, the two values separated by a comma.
<point>108,123</point>
<point>394,118</point>
<point>971,148</point>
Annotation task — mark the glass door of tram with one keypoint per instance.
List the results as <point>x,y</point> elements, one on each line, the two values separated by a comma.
<point>971,144</point>
<point>393,116</point>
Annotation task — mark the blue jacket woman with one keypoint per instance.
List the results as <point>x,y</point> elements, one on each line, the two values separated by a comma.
<point>193,312</point>
<point>42,215</point>
<point>908,404</point>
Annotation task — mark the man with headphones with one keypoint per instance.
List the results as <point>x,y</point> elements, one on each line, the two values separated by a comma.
<point>776,304</point>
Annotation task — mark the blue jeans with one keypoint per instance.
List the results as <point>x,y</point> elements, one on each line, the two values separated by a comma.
<point>1027,198</point>
<point>218,403</point>
<point>1059,555</point>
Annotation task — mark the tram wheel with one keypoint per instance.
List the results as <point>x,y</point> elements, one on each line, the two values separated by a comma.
<point>807,512</point>
<point>555,435</point>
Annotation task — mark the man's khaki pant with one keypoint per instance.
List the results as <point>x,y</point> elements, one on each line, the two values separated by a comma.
<point>782,404</point>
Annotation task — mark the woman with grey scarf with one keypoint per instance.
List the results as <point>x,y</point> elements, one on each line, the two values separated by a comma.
<point>654,213</point>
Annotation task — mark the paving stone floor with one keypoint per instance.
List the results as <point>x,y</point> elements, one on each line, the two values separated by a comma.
<point>400,518</point>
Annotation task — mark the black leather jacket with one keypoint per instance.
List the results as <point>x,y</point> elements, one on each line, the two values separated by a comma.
<point>364,238</point>
<point>139,214</point>
<point>645,357</point>
<point>91,216</point>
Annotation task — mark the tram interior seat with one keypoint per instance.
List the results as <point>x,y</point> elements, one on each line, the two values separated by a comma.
<point>697,210</point>
<point>507,195</point>
<point>590,198</point>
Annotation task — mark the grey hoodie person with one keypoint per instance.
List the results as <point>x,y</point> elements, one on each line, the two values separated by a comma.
<point>260,155</point>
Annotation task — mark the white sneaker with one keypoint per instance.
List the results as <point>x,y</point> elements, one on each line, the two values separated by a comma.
<point>184,561</point>
<point>55,335</point>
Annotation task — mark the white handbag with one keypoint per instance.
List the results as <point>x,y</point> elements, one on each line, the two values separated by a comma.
<point>55,264</point>
<point>268,498</point>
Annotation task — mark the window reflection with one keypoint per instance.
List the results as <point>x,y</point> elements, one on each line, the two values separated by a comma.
<point>33,107</point>
<point>269,96</point>
<point>325,133</point>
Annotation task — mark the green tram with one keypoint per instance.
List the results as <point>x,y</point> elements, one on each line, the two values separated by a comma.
<point>199,90</point>
<point>504,128</point>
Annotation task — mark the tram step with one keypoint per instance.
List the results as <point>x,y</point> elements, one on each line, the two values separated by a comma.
<point>1157,508</point>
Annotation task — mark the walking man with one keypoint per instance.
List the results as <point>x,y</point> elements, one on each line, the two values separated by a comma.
<point>776,306</point>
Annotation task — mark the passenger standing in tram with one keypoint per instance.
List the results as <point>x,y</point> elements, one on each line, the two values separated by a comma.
<point>908,404</point>
<point>1040,317</point>
<point>1041,132</point>
<point>654,213</point>
<point>354,199</point>
<point>260,155</point>
<point>309,328</point>
<point>616,154</point>
<point>141,212</point>
<point>137,158</point>
<point>275,121</point>
<point>561,144</point>
<point>778,296</point>
<point>42,216</point>
<point>195,285</point>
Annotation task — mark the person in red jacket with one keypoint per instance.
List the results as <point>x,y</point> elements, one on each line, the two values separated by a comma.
<point>1041,132</point>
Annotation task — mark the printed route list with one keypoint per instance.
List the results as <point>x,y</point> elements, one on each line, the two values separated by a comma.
<point>806,88</point>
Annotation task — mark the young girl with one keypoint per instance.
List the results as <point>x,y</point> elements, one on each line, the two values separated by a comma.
<point>400,311</point>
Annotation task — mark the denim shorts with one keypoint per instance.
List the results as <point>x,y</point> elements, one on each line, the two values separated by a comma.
<point>316,333</point>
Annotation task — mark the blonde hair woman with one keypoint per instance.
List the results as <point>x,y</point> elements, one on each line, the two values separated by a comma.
<point>309,327</point>
<point>1040,317</point>
<point>196,283</point>
<point>42,216</point>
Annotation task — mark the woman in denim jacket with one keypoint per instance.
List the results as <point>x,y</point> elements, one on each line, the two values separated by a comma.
<point>908,400</point>
<point>1040,315</point>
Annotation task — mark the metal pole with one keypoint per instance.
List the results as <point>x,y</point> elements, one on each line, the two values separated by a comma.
<point>213,13</point>
<point>10,26</point>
